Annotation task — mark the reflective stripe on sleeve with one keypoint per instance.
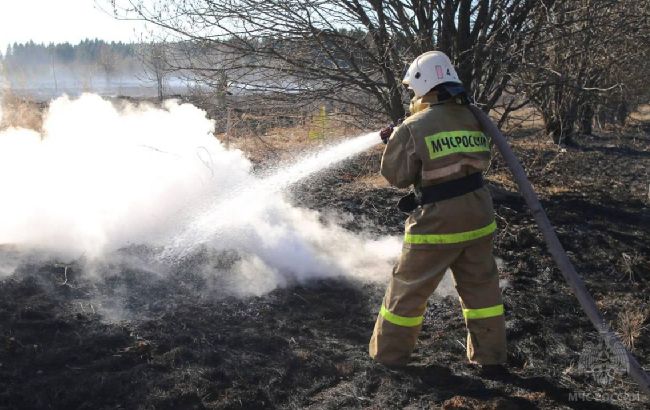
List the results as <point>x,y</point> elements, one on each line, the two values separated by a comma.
<point>400,320</point>
<point>447,238</point>
<point>492,311</point>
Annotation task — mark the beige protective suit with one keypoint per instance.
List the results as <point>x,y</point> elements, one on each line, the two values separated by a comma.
<point>441,142</point>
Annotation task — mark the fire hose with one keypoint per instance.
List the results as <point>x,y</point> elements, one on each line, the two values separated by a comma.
<point>559,254</point>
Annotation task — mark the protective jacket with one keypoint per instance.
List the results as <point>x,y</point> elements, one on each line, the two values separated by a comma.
<point>441,142</point>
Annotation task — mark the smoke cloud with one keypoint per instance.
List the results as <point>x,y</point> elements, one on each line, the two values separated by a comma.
<point>99,177</point>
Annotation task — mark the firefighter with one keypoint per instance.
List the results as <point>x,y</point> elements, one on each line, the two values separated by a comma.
<point>441,151</point>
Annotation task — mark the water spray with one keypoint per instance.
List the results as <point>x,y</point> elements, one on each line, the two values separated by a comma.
<point>250,199</point>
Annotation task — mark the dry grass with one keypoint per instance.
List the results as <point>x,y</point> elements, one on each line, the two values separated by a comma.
<point>502,177</point>
<point>642,114</point>
<point>556,189</point>
<point>631,322</point>
<point>21,113</point>
<point>627,264</point>
<point>281,143</point>
<point>525,118</point>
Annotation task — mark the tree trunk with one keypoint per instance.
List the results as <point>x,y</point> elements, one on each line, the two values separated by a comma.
<point>559,109</point>
<point>159,84</point>
<point>559,127</point>
<point>586,119</point>
<point>464,44</point>
<point>622,112</point>
<point>445,40</point>
<point>396,108</point>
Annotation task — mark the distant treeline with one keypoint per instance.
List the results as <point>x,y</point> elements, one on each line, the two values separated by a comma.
<point>86,65</point>
<point>86,52</point>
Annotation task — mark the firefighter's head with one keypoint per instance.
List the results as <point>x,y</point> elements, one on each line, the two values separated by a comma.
<point>430,70</point>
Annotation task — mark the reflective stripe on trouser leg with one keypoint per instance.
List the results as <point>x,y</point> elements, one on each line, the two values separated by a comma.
<point>477,282</point>
<point>399,321</point>
<point>483,313</point>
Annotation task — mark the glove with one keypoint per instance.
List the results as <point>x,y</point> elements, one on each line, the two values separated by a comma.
<point>385,133</point>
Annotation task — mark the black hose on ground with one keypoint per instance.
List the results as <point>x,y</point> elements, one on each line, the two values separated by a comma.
<point>559,254</point>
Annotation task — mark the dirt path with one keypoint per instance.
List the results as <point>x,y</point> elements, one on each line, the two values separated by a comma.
<point>169,344</point>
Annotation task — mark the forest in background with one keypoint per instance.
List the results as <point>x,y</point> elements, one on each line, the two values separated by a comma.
<point>91,65</point>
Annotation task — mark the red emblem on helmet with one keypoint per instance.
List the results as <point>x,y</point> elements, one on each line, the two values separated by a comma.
<point>439,72</point>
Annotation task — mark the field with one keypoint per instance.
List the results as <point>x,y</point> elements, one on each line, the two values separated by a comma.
<point>172,345</point>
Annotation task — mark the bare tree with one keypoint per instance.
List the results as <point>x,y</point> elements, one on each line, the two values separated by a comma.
<point>586,57</point>
<point>352,52</point>
<point>154,57</point>
<point>107,59</point>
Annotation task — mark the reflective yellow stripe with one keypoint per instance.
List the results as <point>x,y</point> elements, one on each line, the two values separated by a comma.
<point>451,142</point>
<point>446,238</point>
<point>491,311</point>
<point>400,320</point>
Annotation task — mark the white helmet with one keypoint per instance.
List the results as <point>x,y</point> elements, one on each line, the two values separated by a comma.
<point>429,70</point>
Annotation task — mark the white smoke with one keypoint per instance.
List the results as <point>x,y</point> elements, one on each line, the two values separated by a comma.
<point>99,177</point>
<point>2,90</point>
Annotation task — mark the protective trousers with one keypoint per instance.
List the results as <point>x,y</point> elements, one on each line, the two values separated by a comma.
<point>416,276</point>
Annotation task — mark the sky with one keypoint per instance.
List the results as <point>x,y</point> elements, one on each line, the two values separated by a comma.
<point>55,21</point>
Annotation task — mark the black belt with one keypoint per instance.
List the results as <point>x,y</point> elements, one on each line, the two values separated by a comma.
<point>440,192</point>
